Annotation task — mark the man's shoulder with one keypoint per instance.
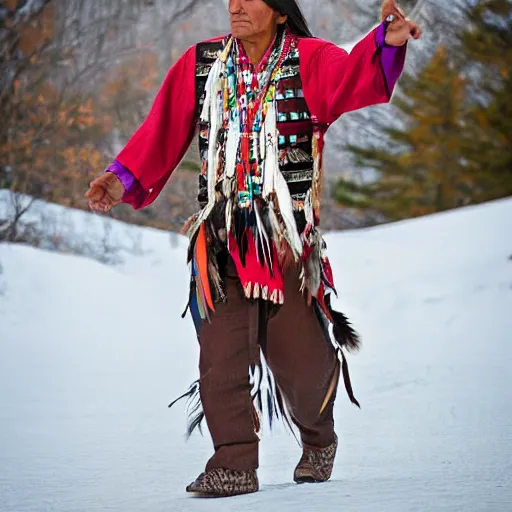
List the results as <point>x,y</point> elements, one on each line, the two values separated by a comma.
<point>214,42</point>
<point>312,47</point>
<point>207,51</point>
<point>313,43</point>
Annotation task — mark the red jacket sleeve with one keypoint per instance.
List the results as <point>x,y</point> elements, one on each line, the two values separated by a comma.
<point>158,146</point>
<point>336,82</point>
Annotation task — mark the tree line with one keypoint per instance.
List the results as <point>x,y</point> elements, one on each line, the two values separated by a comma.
<point>78,76</point>
<point>451,142</point>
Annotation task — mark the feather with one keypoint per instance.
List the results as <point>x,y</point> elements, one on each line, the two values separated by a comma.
<point>229,215</point>
<point>232,145</point>
<point>277,231</point>
<point>285,413</point>
<point>255,148</point>
<point>216,279</point>
<point>259,401</point>
<point>302,279</point>
<point>228,189</point>
<point>308,208</point>
<point>186,227</point>
<point>344,334</point>
<point>194,408</point>
<point>214,71</point>
<point>284,200</point>
<point>274,183</point>
<point>201,256</point>
<point>195,422</point>
<point>265,242</point>
<point>313,268</point>
<point>255,376</point>
<point>271,166</point>
<point>346,380</point>
<point>188,394</point>
<point>263,145</point>
<point>332,387</point>
<point>191,247</point>
<point>211,113</point>
<point>201,301</point>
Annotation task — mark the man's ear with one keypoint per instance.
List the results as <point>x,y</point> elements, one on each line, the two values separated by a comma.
<point>282,19</point>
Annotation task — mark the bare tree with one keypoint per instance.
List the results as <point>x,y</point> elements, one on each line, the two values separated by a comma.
<point>171,26</point>
<point>366,126</point>
<point>95,34</point>
<point>49,51</point>
<point>81,46</point>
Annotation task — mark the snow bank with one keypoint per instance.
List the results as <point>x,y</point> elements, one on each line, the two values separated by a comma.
<point>90,356</point>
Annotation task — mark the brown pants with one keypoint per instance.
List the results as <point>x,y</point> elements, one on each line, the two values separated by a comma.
<point>302,361</point>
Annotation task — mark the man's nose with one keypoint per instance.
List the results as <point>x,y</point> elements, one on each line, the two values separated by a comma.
<point>235,6</point>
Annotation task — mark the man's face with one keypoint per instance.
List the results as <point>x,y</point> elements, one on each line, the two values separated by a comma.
<point>252,18</point>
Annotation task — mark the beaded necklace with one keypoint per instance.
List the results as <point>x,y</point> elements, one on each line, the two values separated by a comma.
<point>247,92</point>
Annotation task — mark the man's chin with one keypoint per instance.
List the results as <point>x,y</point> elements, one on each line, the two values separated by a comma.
<point>239,31</point>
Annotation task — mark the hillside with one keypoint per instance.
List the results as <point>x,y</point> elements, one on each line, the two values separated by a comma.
<point>92,354</point>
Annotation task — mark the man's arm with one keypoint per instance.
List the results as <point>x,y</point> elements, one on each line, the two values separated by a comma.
<point>392,59</point>
<point>157,147</point>
<point>336,82</point>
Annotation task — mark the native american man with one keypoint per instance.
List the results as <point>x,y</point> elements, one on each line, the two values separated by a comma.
<point>261,100</point>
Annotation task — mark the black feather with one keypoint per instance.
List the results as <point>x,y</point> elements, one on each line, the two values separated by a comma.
<point>346,379</point>
<point>282,409</point>
<point>344,334</point>
<point>191,246</point>
<point>189,394</point>
<point>194,423</point>
<point>195,411</point>
<point>339,351</point>
<point>259,402</point>
<point>270,408</point>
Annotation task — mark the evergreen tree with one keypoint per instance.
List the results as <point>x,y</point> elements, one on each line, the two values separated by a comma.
<point>454,146</point>
<point>419,171</point>
<point>488,44</point>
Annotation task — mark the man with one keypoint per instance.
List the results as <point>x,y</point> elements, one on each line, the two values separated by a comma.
<point>261,100</point>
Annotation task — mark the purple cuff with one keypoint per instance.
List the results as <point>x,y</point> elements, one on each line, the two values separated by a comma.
<point>125,176</point>
<point>392,58</point>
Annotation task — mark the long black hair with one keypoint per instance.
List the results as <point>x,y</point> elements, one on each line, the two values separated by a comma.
<point>296,21</point>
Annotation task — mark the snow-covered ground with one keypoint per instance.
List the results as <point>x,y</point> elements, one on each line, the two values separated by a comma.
<point>90,356</point>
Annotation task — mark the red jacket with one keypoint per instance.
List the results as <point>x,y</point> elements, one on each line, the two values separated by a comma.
<point>334,81</point>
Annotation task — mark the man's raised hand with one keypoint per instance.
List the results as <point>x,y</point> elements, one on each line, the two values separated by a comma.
<point>400,28</point>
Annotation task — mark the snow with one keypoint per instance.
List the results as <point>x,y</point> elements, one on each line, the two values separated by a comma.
<point>90,356</point>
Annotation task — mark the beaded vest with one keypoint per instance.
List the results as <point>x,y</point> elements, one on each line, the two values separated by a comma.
<point>294,125</point>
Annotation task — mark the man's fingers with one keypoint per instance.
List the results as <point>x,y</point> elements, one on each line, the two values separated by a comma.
<point>414,29</point>
<point>99,194</point>
<point>399,12</point>
<point>99,207</point>
<point>105,192</point>
<point>95,193</point>
<point>99,181</point>
<point>391,8</point>
<point>104,180</point>
<point>92,194</point>
<point>386,9</point>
